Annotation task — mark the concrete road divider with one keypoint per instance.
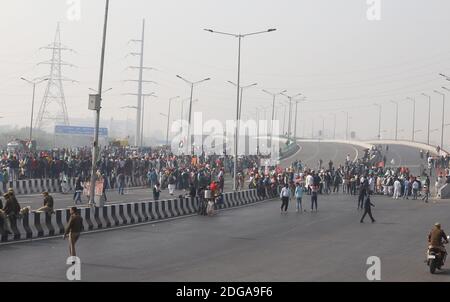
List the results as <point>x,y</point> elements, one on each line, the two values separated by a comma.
<point>52,185</point>
<point>40,225</point>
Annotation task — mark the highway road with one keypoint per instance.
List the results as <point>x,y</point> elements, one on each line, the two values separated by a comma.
<point>253,243</point>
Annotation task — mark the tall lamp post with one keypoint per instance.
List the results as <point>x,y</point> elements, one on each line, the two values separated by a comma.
<point>242,90</point>
<point>192,84</point>
<point>429,116</point>
<point>379,120</point>
<point>274,95</point>
<point>296,111</point>
<point>290,98</point>
<point>443,116</point>
<point>239,36</point>
<point>97,106</point>
<point>34,83</point>
<point>346,128</point>
<point>168,119</point>
<point>413,118</point>
<point>396,119</point>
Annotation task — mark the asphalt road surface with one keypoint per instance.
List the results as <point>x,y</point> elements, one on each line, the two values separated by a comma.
<point>311,152</point>
<point>253,243</point>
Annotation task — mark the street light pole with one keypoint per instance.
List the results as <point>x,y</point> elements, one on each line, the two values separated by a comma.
<point>274,95</point>
<point>97,116</point>
<point>168,119</point>
<point>429,116</point>
<point>443,117</point>
<point>239,36</point>
<point>346,129</point>
<point>296,112</point>
<point>290,98</point>
<point>379,120</point>
<point>396,118</point>
<point>34,83</point>
<point>242,90</point>
<point>188,140</point>
<point>413,118</point>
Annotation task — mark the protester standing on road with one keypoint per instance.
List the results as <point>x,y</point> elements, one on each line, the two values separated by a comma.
<point>73,230</point>
<point>397,189</point>
<point>298,196</point>
<point>314,191</point>
<point>285,195</point>
<point>171,183</point>
<point>367,209</point>
<point>121,182</point>
<point>406,188</point>
<point>156,191</point>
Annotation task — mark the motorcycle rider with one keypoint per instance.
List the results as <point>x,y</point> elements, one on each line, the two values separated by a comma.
<point>437,237</point>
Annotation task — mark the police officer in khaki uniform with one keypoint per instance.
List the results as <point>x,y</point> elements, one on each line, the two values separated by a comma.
<point>73,229</point>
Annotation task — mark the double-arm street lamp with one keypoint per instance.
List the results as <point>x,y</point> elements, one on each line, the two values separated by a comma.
<point>274,95</point>
<point>296,111</point>
<point>396,118</point>
<point>239,36</point>
<point>242,90</point>
<point>168,119</point>
<point>379,119</point>
<point>192,84</point>
<point>34,83</point>
<point>413,118</point>
<point>290,98</point>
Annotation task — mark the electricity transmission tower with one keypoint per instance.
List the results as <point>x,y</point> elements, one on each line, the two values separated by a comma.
<point>53,106</point>
<point>138,138</point>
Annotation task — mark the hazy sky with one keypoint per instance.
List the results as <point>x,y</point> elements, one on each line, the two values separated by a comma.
<point>325,49</point>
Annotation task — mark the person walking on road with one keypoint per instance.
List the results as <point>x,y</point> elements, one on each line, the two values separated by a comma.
<point>314,192</point>
<point>285,195</point>
<point>362,193</point>
<point>78,191</point>
<point>367,209</point>
<point>298,196</point>
<point>73,230</point>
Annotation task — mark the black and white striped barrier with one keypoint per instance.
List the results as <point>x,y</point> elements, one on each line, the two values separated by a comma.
<point>32,186</point>
<point>40,225</point>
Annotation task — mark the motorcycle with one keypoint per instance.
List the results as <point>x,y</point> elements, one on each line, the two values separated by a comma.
<point>436,258</point>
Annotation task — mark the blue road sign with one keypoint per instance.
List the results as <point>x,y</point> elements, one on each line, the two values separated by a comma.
<point>76,130</point>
